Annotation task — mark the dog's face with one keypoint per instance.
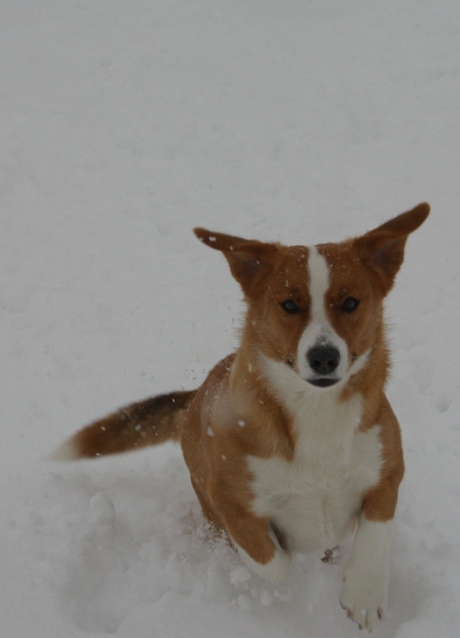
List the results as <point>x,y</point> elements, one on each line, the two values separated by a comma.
<point>317,310</point>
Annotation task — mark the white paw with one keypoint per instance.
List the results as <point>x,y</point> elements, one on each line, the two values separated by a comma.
<point>364,597</point>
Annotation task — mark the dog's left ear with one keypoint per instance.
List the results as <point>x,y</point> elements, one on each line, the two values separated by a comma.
<point>382,249</point>
<point>247,258</point>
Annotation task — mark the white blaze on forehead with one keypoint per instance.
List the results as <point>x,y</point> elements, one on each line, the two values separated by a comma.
<point>319,331</point>
<point>319,284</point>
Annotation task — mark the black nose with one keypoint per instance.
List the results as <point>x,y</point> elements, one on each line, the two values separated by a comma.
<point>323,359</point>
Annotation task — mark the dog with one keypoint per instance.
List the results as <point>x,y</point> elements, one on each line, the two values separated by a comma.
<point>290,441</point>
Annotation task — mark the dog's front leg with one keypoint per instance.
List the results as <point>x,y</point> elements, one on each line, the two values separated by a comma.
<point>365,586</point>
<point>277,560</point>
<point>256,541</point>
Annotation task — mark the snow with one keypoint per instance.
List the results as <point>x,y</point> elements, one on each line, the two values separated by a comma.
<point>123,126</point>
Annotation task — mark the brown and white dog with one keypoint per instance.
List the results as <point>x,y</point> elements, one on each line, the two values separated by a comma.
<point>291,441</point>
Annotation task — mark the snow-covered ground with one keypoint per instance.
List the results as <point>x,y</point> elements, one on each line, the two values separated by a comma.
<point>125,124</point>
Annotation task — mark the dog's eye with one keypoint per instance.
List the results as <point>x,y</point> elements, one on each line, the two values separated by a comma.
<point>350,304</point>
<point>290,307</point>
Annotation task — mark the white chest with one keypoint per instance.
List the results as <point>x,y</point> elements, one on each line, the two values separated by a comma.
<point>314,499</point>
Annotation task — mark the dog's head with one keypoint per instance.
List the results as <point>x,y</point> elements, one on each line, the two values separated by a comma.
<point>317,310</point>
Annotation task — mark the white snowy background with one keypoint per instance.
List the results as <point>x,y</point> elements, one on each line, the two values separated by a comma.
<point>124,124</point>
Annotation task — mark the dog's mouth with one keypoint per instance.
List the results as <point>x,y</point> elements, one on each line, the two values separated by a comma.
<point>323,382</point>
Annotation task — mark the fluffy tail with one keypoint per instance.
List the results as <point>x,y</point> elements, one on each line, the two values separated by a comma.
<point>138,425</point>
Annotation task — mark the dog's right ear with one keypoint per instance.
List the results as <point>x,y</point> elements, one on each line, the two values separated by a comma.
<point>247,258</point>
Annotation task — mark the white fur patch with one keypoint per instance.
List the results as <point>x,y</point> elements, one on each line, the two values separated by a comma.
<point>315,498</point>
<point>365,587</point>
<point>319,283</point>
<point>67,451</point>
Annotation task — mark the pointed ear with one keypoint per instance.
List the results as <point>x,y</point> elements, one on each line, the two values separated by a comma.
<point>382,249</point>
<point>405,223</point>
<point>248,259</point>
